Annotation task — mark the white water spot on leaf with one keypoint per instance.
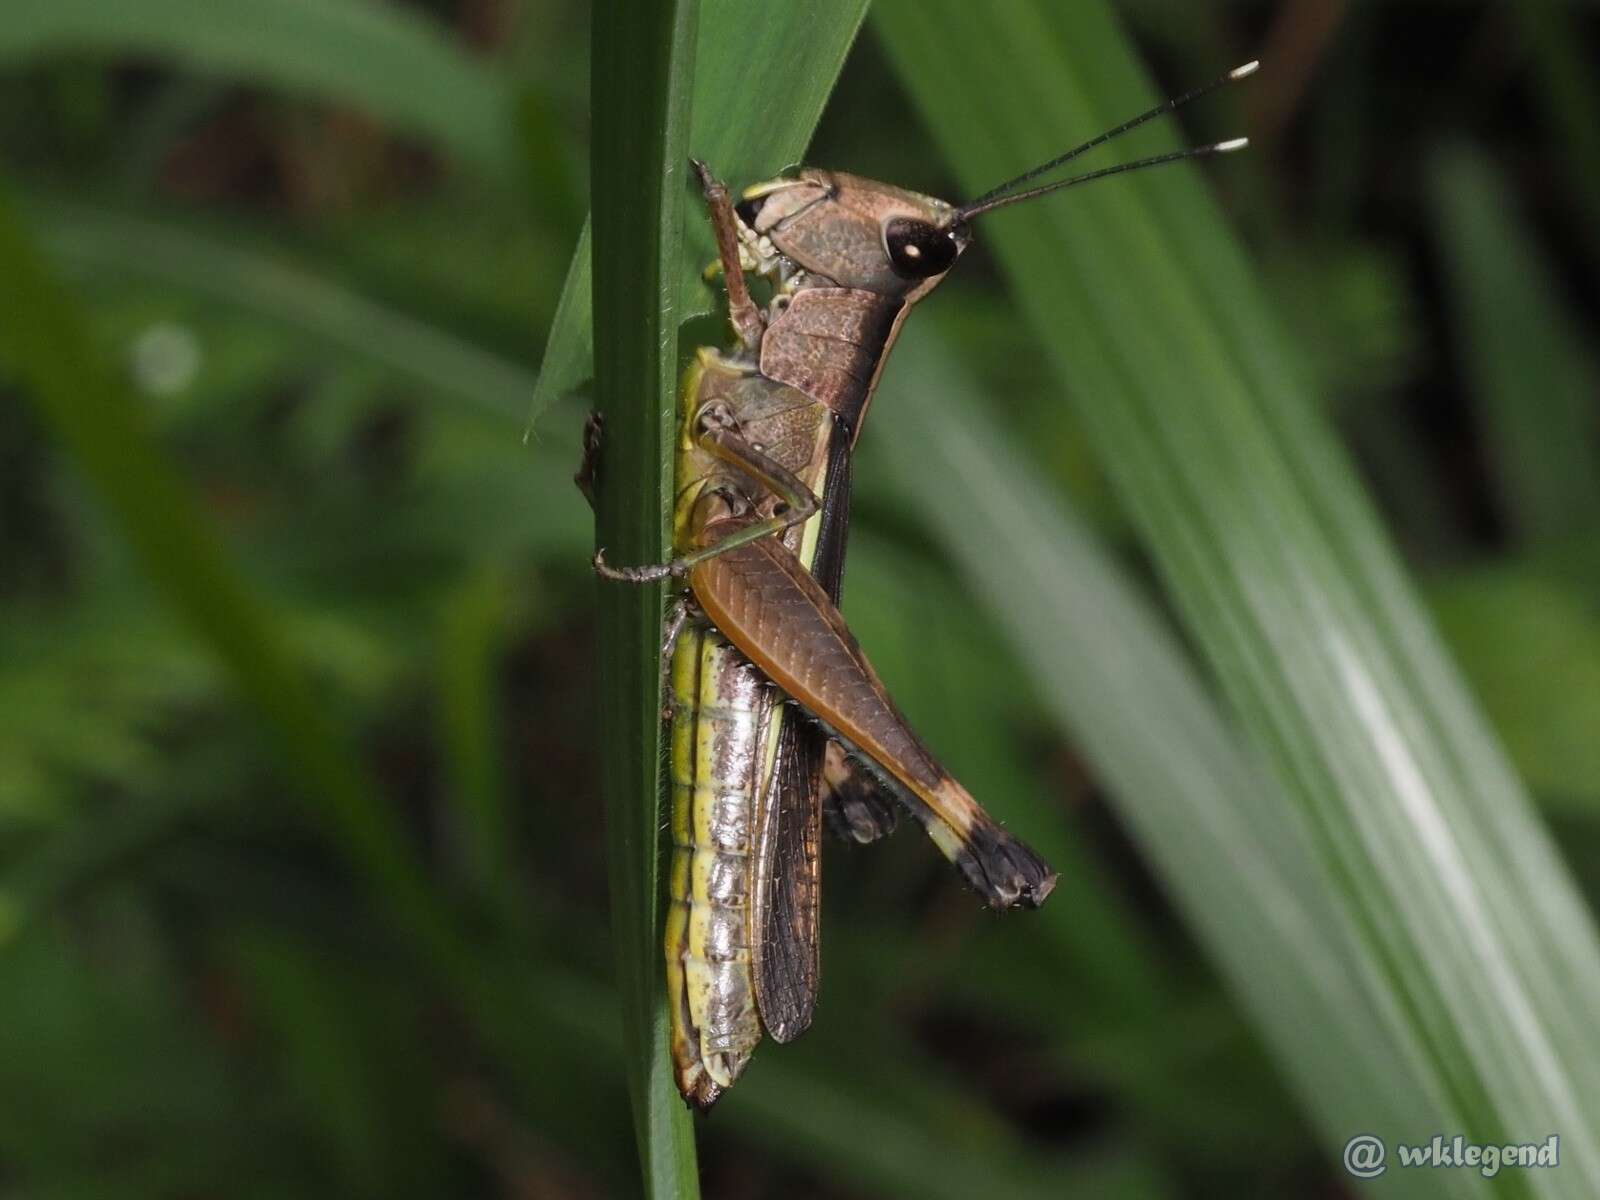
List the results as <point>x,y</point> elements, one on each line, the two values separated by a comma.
<point>165,359</point>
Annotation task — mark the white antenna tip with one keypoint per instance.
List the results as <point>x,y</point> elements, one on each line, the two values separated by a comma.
<point>1250,68</point>
<point>1231,146</point>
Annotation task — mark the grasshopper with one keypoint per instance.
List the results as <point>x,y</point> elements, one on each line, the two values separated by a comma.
<point>777,720</point>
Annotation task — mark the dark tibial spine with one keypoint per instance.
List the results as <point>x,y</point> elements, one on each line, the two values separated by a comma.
<point>721,737</point>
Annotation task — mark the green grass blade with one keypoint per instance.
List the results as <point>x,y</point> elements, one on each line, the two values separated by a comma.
<point>252,278</point>
<point>44,343</point>
<point>1529,641</point>
<point>46,348</point>
<point>369,55</point>
<point>641,76</point>
<point>1483,955</point>
<point>1236,857</point>
<point>1526,361</point>
<point>760,82</point>
<point>470,643</point>
<point>102,243</point>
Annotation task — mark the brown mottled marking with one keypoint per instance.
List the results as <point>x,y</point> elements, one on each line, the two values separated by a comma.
<point>828,343</point>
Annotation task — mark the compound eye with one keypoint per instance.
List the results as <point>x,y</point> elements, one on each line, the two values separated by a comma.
<point>918,250</point>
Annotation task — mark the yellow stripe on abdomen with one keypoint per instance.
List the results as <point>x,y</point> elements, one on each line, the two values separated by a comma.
<point>721,707</point>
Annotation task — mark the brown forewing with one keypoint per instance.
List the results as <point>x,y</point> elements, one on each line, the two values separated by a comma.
<point>786,893</point>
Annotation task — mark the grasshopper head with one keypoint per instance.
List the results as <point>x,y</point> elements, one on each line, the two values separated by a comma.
<point>856,232</point>
<point>862,234</point>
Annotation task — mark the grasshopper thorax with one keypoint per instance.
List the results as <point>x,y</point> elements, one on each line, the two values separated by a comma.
<point>856,233</point>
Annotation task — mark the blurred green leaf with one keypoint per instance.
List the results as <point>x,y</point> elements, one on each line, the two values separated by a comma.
<point>1563,82</point>
<point>96,241</point>
<point>370,55</point>
<point>943,1147</point>
<point>78,853</point>
<point>898,607</point>
<point>478,493</point>
<point>928,1135</point>
<point>81,693</point>
<point>1472,948</point>
<point>1527,363</point>
<point>641,77</point>
<point>332,1032</point>
<point>1237,858</point>
<point>1531,646</point>
<point>761,79</point>
<point>471,632</point>
<point>105,1089</point>
<point>1350,307</point>
<point>43,341</point>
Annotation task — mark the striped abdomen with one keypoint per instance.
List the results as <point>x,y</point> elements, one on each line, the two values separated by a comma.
<point>723,735</point>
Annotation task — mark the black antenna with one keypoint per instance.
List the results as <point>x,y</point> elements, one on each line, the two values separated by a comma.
<point>974,209</point>
<point>981,203</point>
